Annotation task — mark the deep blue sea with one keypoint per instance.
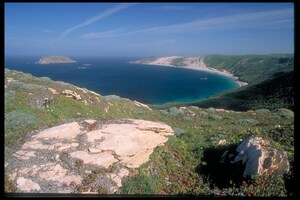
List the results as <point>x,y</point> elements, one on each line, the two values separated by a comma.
<point>149,84</point>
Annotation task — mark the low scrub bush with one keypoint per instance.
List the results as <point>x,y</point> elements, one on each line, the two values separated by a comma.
<point>285,113</point>
<point>32,87</point>
<point>15,121</point>
<point>175,111</point>
<point>246,122</point>
<point>140,184</point>
<point>45,80</point>
<point>214,117</point>
<point>10,95</point>
<point>262,111</point>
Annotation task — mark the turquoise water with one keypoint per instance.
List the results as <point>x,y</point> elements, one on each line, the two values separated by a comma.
<point>145,83</point>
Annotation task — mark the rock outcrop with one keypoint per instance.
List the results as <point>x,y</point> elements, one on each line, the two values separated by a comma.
<point>53,160</point>
<point>70,93</point>
<point>55,60</point>
<point>259,158</point>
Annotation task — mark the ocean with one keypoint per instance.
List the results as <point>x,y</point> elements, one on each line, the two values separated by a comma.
<point>148,84</point>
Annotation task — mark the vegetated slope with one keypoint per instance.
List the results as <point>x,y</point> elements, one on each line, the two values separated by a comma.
<point>252,68</point>
<point>183,165</point>
<point>277,92</point>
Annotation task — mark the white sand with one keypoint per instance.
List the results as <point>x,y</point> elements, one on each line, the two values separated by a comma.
<point>195,63</point>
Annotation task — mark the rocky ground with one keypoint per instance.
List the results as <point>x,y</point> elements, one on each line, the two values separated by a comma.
<point>58,159</point>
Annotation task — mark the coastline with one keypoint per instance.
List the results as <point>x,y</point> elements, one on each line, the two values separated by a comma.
<point>194,63</point>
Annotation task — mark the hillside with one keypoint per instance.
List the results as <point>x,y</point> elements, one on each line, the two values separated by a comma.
<point>186,163</point>
<point>277,92</point>
<point>55,60</point>
<point>247,68</point>
<point>252,68</point>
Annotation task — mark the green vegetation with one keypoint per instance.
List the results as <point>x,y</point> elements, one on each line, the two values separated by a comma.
<point>252,68</point>
<point>186,164</point>
<point>271,94</point>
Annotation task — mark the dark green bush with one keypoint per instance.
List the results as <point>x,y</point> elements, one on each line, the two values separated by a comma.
<point>45,80</point>
<point>140,184</point>
<point>15,121</point>
<point>246,122</point>
<point>9,95</point>
<point>285,113</point>
<point>214,117</point>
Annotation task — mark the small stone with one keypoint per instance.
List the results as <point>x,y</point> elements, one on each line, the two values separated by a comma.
<point>53,91</point>
<point>90,121</point>
<point>9,80</point>
<point>85,102</point>
<point>222,142</point>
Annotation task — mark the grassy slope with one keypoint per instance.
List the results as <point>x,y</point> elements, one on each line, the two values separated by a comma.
<point>252,68</point>
<point>179,167</point>
<point>274,93</point>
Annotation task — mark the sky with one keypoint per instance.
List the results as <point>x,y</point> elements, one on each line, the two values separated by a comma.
<point>148,29</point>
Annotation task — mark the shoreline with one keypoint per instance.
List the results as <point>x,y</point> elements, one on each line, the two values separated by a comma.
<point>194,64</point>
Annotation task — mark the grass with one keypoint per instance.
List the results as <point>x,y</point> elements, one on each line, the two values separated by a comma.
<point>252,68</point>
<point>174,168</point>
<point>271,94</point>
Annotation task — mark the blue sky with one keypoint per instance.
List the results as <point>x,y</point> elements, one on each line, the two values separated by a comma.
<point>148,29</point>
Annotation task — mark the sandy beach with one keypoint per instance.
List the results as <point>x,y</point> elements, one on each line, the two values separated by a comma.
<point>195,63</point>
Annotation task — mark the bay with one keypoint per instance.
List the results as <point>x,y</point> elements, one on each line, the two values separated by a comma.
<point>148,84</point>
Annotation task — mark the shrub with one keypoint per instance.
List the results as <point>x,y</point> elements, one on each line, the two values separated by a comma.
<point>194,107</point>
<point>175,111</point>
<point>178,131</point>
<point>9,186</point>
<point>214,117</point>
<point>26,77</point>
<point>210,110</point>
<point>262,111</point>
<point>6,71</point>
<point>9,95</point>
<point>164,112</point>
<point>32,87</point>
<point>45,80</point>
<point>285,113</point>
<point>140,184</point>
<point>246,122</point>
<point>15,121</point>
<point>203,113</point>
<point>112,97</point>
<point>14,85</point>
<point>263,186</point>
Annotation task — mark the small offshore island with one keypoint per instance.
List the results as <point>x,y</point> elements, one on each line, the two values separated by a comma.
<point>55,60</point>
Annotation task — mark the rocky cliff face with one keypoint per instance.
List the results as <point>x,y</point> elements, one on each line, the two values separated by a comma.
<point>55,59</point>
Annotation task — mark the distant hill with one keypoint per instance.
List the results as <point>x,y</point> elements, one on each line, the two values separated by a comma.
<point>55,60</point>
<point>277,92</point>
<point>252,68</point>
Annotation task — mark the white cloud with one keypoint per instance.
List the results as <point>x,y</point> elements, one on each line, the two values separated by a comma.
<point>248,20</point>
<point>98,17</point>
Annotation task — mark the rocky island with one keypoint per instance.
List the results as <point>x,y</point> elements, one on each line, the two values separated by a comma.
<point>55,60</point>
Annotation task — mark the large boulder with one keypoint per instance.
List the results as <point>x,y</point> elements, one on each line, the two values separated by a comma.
<point>259,158</point>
